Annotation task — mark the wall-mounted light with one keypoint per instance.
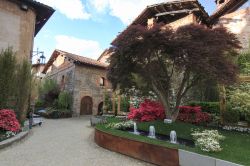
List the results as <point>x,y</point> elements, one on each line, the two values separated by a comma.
<point>24,7</point>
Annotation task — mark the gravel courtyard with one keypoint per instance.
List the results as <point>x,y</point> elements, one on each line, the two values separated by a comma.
<point>67,142</point>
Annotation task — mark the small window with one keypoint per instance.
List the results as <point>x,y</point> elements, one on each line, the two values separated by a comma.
<point>102,81</point>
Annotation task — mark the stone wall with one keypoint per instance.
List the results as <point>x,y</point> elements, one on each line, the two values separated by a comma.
<point>87,84</point>
<point>189,19</point>
<point>17,29</point>
<point>64,76</point>
<point>239,23</point>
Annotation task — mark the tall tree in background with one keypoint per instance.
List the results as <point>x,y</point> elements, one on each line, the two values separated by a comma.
<point>171,61</point>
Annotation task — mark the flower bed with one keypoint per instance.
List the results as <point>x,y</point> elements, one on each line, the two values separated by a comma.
<point>9,125</point>
<point>234,146</point>
<point>148,111</point>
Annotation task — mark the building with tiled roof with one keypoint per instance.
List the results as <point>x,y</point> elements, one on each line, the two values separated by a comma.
<point>21,20</point>
<point>83,77</point>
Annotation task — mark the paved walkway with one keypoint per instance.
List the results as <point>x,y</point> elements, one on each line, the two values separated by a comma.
<point>67,142</point>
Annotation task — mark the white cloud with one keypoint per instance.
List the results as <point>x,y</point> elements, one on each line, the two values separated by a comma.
<point>86,48</point>
<point>73,9</point>
<point>125,10</point>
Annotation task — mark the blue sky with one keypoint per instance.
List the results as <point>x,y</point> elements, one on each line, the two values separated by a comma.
<point>87,27</point>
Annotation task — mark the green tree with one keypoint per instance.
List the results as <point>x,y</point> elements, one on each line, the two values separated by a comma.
<point>244,62</point>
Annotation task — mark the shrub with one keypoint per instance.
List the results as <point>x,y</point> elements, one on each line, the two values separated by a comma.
<point>121,125</point>
<point>7,77</point>
<point>125,104</point>
<point>39,103</point>
<point>209,107</point>
<point>147,111</point>
<point>244,62</point>
<point>14,83</point>
<point>8,121</point>
<point>64,100</point>
<point>53,113</point>
<point>239,97</point>
<point>49,91</point>
<point>231,116</point>
<point>248,117</point>
<point>107,102</point>
<point>193,115</point>
<point>208,140</point>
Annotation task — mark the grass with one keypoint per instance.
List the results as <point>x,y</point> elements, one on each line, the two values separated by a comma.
<point>236,146</point>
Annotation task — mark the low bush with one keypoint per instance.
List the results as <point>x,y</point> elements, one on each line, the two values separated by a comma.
<point>39,104</point>
<point>208,140</point>
<point>209,107</point>
<point>147,111</point>
<point>52,113</point>
<point>248,118</point>
<point>121,125</point>
<point>64,100</point>
<point>8,121</point>
<point>193,115</point>
<point>231,116</point>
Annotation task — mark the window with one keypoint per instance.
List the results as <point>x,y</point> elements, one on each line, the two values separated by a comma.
<point>102,81</point>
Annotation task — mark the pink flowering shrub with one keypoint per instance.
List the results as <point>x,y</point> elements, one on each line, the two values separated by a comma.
<point>147,111</point>
<point>8,121</point>
<point>193,115</point>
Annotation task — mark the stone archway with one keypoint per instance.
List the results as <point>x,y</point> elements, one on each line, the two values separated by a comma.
<point>100,109</point>
<point>86,106</point>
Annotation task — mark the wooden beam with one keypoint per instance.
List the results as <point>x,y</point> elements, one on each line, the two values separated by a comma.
<point>177,12</point>
<point>157,10</point>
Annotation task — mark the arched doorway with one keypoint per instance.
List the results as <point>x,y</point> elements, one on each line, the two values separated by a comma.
<point>100,109</point>
<point>86,106</point>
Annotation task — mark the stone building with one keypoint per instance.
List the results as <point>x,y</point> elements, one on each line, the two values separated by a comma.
<point>232,14</point>
<point>84,78</point>
<point>229,13</point>
<point>20,21</point>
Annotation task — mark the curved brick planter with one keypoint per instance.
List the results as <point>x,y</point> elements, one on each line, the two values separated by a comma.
<point>14,139</point>
<point>143,151</point>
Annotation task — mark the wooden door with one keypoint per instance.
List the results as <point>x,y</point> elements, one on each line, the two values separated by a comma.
<point>86,106</point>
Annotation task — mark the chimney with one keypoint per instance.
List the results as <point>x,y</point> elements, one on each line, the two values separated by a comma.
<point>151,22</point>
<point>220,3</point>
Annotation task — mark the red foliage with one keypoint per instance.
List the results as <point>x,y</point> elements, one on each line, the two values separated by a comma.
<point>8,121</point>
<point>193,115</point>
<point>148,111</point>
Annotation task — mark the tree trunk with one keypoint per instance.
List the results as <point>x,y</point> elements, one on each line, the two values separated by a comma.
<point>163,97</point>
<point>222,92</point>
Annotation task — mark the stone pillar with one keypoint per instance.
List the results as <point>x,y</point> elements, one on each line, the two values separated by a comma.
<point>113,103</point>
<point>119,104</point>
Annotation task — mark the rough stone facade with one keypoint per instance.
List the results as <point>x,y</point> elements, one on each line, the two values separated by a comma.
<point>87,84</point>
<point>189,19</point>
<point>238,22</point>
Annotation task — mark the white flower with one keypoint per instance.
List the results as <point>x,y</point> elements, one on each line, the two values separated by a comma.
<point>208,140</point>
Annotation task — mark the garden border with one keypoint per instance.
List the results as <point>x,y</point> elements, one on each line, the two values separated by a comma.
<point>155,154</point>
<point>16,138</point>
<point>140,150</point>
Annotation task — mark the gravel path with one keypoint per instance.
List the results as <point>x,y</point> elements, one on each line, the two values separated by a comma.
<point>67,142</point>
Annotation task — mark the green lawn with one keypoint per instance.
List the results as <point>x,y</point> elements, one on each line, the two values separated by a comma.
<point>236,146</point>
